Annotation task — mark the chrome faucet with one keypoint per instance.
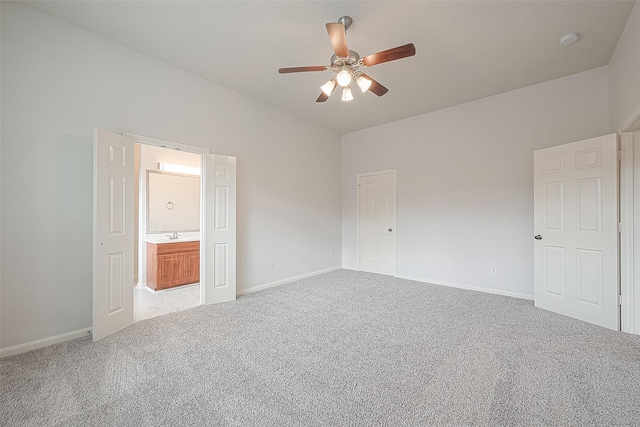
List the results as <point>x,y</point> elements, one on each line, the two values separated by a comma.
<point>173,236</point>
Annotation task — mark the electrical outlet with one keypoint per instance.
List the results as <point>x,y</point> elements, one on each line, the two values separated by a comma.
<point>494,270</point>
<point>272,266</point>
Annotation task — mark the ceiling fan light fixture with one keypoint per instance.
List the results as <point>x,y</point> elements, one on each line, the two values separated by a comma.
<point>346,94</point>
<point>364,83</point>
<point>344,78</point>
<point>329,86</point>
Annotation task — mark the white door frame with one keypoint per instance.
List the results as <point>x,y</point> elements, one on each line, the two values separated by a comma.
<point>166,144</point>
<point>626,229</point>
<point>203,152</point>
<point>169,145</point>
<point>630,225</point>
<point>364,174</point>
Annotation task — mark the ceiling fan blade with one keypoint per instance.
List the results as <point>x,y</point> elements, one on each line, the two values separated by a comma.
<point>389,55</point>
<point>301,69</point>
<point>338,37</point>
<point>323,97</point>
<point>376,87</point>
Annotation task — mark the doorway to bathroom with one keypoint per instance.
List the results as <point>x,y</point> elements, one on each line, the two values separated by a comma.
<point>167,230</point>
<point>116,236</point>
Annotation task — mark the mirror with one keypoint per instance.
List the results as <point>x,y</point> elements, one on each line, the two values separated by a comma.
<point>173,202</point>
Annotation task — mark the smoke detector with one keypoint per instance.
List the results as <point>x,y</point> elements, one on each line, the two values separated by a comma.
<point>568,39</point>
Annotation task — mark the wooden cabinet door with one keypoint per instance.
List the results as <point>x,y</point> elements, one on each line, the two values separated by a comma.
<point>191,264</point>
<point>170,270</point>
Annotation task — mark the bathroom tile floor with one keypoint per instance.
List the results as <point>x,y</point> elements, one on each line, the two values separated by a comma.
<point>148,304</point>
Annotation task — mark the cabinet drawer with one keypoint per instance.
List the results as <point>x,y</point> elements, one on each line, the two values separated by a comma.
<point>172,248</point>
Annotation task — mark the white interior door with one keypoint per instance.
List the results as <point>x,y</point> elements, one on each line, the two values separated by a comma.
<point>218,245</point>
<point>576,228</point>
<point>113,233</point>
<point>377,222</point>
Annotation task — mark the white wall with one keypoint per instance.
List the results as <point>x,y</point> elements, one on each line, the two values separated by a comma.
<point>624,75</point>
<point>465,180</point>
<point>58,82</point>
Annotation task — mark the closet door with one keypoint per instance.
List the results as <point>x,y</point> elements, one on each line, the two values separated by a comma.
<point>377,222</point>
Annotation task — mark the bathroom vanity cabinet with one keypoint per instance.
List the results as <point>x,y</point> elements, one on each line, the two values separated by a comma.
<point>172,264</point>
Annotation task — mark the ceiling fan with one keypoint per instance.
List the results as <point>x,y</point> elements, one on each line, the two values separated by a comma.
<point>347,64</point>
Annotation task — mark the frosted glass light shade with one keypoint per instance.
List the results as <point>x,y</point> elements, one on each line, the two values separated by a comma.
<point>346,94</point>
<point>344,78</point>
<point>364,83</point>
<point>328,87</point>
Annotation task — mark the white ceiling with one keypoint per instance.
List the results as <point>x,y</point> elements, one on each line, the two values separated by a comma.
<point>466,50</point>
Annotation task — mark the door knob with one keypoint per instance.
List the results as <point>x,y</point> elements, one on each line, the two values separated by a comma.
<point>538,237</point>
<point>390,230</point>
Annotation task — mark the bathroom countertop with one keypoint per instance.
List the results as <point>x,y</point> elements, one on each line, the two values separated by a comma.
<point>165,239</point>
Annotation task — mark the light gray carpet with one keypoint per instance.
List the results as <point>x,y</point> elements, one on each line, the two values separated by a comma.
<point>343,348</point>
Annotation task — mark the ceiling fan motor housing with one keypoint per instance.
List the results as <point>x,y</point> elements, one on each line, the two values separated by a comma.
<point>353,58</point>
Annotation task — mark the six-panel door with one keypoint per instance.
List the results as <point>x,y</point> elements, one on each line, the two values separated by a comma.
<point>377,222</point>
<point>576,220</point>
<point>113,233</point>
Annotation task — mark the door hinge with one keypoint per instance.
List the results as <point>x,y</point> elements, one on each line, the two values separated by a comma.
<point>620,154</point>
<point>620,227</point>
<point>620,299</point>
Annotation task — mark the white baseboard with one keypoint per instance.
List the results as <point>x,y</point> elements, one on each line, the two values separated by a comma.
<point>45,342</point>
<point>282,282</point>
<point>469,287</point>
